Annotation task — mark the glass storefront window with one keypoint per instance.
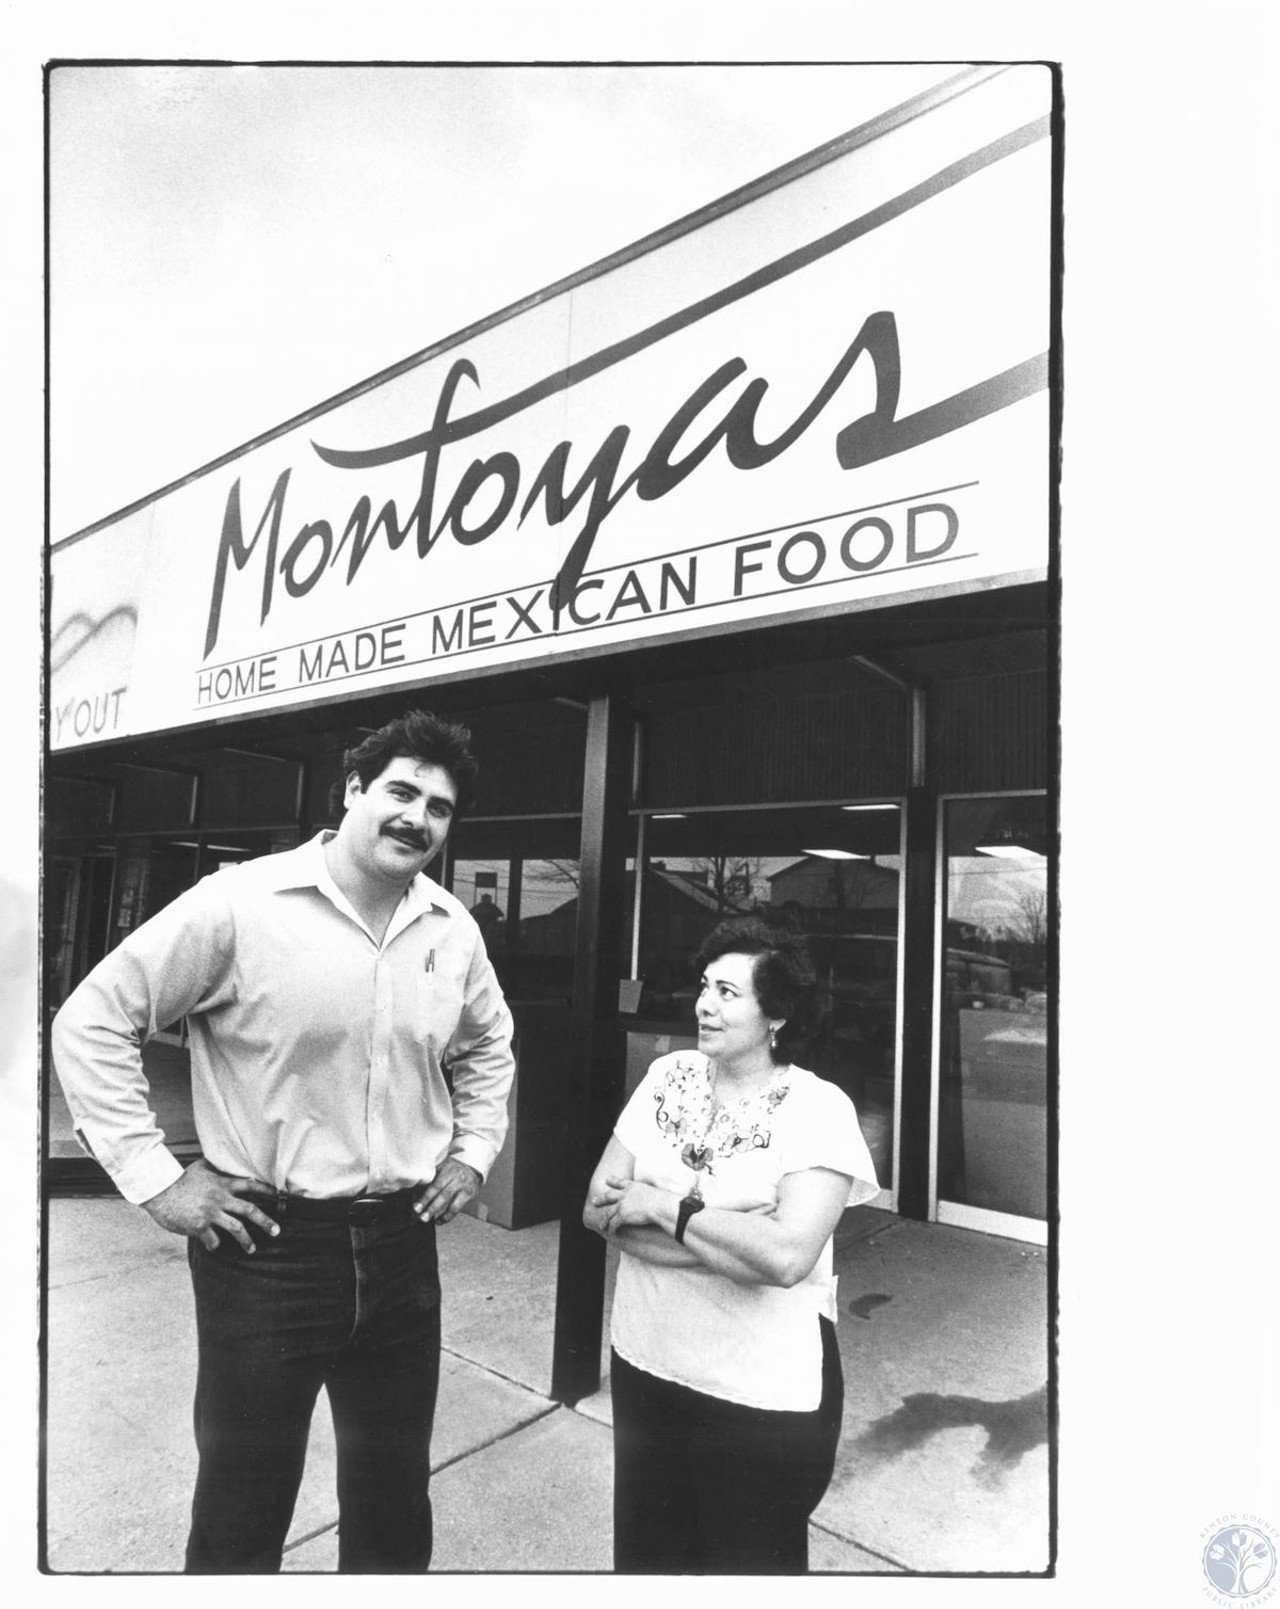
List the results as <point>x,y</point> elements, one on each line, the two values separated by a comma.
<point>155,870</point>
<point>519,878</point>
<point>484,887</point>
<point>830,872</point>
<point>992,1107</point>
<point>77,900</point>
<point>528,912</point>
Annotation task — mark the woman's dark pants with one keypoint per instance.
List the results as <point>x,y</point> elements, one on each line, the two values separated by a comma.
<point>705,1486</point>
<point>352,1305</point>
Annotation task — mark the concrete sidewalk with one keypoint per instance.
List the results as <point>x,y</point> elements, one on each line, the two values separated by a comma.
<point>943,1461</point>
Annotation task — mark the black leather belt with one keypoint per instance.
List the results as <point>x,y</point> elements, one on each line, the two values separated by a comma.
<point>338,1209</point>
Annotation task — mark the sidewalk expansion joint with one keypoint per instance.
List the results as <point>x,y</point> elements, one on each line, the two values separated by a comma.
<point>437,1469</point>
<point>487,1368</point>
<point>310,1536</point>
<point>502,1435</point>
<point>113,1273</point>
<point>872,1553</point>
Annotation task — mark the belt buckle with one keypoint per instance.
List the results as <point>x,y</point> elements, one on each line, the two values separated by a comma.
<point>365,1209</point>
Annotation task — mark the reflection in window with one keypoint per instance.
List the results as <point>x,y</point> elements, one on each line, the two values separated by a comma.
<point>828,872</point>
<point>527,911</point>
<point>77,920</point>
<point>992,1144</point>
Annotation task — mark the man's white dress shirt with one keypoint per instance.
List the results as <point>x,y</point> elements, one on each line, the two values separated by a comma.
<point>321,1061</point>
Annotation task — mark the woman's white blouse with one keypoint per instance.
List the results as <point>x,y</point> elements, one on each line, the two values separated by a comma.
<point>753,1344</point>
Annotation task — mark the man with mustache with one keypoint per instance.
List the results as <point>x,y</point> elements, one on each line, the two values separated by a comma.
<point>350,1067</point>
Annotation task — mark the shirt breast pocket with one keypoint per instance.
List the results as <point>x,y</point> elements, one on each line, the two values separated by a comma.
<point>439,1008</point>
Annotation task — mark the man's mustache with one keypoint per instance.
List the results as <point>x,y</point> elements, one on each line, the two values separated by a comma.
<point>413,839</point>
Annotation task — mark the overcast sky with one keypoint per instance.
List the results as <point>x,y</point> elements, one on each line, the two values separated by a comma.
<point>230,246</point>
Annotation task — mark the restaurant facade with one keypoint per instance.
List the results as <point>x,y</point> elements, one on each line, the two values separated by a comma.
<point>735,552</point>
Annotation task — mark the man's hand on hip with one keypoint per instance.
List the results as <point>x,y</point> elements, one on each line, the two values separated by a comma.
<point>444,1198</point>
<point>204,1201</point>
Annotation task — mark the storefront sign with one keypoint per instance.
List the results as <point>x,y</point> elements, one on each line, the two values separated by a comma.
<point>829,397</point>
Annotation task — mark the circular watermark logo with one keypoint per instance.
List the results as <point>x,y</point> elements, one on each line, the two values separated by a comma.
<point>1239,1560</point>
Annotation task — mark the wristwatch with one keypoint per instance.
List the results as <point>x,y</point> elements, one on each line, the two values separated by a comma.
<point>689,1204</point>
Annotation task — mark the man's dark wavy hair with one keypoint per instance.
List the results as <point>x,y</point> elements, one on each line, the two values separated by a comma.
<point>415,735</point>
<point>783,974</point>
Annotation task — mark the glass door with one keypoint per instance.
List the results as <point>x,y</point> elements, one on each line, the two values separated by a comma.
<point>77,897</point>
<point>992,1106</point>
<point>829,871</point>
<point>518,876</point>
<point>78,907</point>
<point>519,879</point>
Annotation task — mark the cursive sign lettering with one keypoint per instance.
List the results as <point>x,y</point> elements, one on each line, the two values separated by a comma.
<point>488,490</point>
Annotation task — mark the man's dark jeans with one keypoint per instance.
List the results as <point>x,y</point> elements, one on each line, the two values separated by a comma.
<point>352,1305</point>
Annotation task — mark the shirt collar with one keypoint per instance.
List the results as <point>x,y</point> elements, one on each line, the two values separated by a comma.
<point>305,867</point>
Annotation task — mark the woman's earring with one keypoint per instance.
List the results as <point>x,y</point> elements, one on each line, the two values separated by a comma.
<point>773,1039</point>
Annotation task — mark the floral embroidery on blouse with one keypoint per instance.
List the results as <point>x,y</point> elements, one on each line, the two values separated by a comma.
<point>685,1113</point>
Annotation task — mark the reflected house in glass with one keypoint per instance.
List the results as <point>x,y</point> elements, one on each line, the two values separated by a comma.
<point>994,1022</point>
<point>844,895</point>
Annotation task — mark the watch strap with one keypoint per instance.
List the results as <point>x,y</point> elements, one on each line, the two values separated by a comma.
<point>688,1206</point>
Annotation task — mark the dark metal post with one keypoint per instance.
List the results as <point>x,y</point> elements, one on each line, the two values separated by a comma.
<point>305,826</point>
<point>515,897</point>
<point>597,1052</point>
<point>918,949</point>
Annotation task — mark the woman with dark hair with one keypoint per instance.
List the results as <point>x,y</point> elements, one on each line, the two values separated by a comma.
<point>722,1186</point>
